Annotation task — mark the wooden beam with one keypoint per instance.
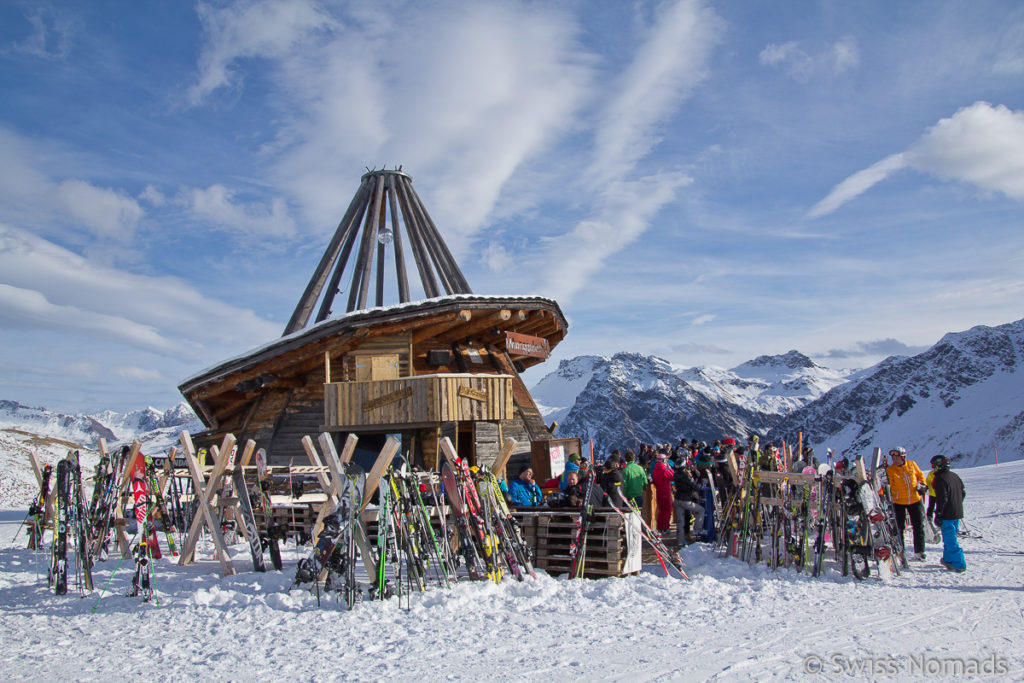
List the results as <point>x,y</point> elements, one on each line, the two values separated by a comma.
<point>449,453</point>
<point>495,319</point>
<point>498,466</point>
<point>450,321</point>
<point>387,454</point>
<point>204,495</point>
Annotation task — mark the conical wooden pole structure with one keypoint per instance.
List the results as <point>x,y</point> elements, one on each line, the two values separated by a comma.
<point>384,207</point>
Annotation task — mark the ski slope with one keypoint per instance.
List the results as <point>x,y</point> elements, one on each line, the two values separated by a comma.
<point>732,622</point>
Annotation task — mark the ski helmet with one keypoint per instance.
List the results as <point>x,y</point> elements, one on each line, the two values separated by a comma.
<point>940,461</point>
<point>898,450</point>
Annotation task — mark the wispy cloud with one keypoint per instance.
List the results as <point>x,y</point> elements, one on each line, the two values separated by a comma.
<point>29,192</point>
<point>249,29</point>
<point>661,75</point>
<point>463,98</point>
<point>50,36</point>
<point>837,58</point>
<point>981,145</point>
<point>857,184</point>
<point>49,287</point>
<point>878,347</point>
<point>652,87</point>
<point>30,309</point>
<point>217,205</point>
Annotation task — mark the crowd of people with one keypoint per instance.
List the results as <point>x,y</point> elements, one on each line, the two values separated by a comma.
<point>669,484</point>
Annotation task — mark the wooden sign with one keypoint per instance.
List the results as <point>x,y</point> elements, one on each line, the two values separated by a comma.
<point>471,393</point>
<point>525,345</point>
<point>387,399</point>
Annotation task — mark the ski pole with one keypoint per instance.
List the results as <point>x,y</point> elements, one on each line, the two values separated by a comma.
<point>116,567</point>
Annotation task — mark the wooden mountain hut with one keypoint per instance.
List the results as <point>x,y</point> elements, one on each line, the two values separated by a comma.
<point>446,364</point>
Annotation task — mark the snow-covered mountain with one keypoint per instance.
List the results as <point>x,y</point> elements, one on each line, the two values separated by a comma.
<point>963,398</point>
<point>86,430</point>
<point>50,435</point>
<point>630,399</point>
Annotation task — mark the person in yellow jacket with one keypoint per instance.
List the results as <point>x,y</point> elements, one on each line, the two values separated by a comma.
<point>906,485</point>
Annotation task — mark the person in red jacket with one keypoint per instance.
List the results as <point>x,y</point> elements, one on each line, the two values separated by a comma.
<point>662,478</point>
<point>906,484</point>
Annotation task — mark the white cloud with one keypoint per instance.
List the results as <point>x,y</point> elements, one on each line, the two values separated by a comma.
<point>845,54</point>
<point>216,205</point>
<point>107,213</point>
<point>981,145</point>
<point>789,56</point>
<point>154,196</point>
<point>249,29</point>
<point>49,287</point>
<point>701,319</point>
<point>463,99</point>
<point>30,309</point>
<point>29,192</point>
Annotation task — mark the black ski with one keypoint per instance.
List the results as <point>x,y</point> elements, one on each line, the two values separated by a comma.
<point>252,534</point>
<point>59,562</point>
<point>578,547</point>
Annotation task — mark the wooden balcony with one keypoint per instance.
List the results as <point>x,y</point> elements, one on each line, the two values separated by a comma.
<point>417,401</point>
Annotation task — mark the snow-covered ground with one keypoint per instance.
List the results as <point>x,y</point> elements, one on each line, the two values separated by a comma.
<point>731,622</point>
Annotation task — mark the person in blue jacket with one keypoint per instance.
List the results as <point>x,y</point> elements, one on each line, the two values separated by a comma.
<point>572,466</point>
<point>523,491</point>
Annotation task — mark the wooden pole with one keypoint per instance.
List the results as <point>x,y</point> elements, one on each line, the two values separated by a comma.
<point>400,272</point>
<point>346,252</point>
<point>413,230</point>
<point>316,284</point>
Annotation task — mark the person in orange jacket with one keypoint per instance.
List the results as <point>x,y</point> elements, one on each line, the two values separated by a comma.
<point>906,486</point>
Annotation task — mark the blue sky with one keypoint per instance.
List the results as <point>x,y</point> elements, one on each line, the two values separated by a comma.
<point>702,181</point>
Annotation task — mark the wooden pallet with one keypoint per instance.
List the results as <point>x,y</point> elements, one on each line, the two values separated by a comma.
<point>551,534</point>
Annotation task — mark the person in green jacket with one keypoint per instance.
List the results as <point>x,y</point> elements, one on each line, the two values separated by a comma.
<point>634,478</point>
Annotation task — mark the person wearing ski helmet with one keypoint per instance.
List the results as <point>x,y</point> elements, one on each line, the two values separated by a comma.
<point>949,510</point>
<point>906,484</point>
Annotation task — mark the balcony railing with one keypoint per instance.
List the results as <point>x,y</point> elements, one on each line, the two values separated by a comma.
<point>419,400</point>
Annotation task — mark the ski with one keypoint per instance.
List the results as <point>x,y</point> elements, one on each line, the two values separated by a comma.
<point>578,546</point>
<point>252,534</point>
<point>59,561</point>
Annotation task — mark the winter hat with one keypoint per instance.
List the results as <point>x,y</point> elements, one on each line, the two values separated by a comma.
<point>662,455</point>
<point>574,457</point>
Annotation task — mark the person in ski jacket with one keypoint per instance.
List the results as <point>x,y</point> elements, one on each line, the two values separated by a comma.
<point>573,465</point>
<point>687,499</point>
<point>523,491</point>
<point>611,480</point>
<point>662,478</point>
<point>906,484</point>
<point>634,478</point>
<point>949,510</point>
<point>574,491</point>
